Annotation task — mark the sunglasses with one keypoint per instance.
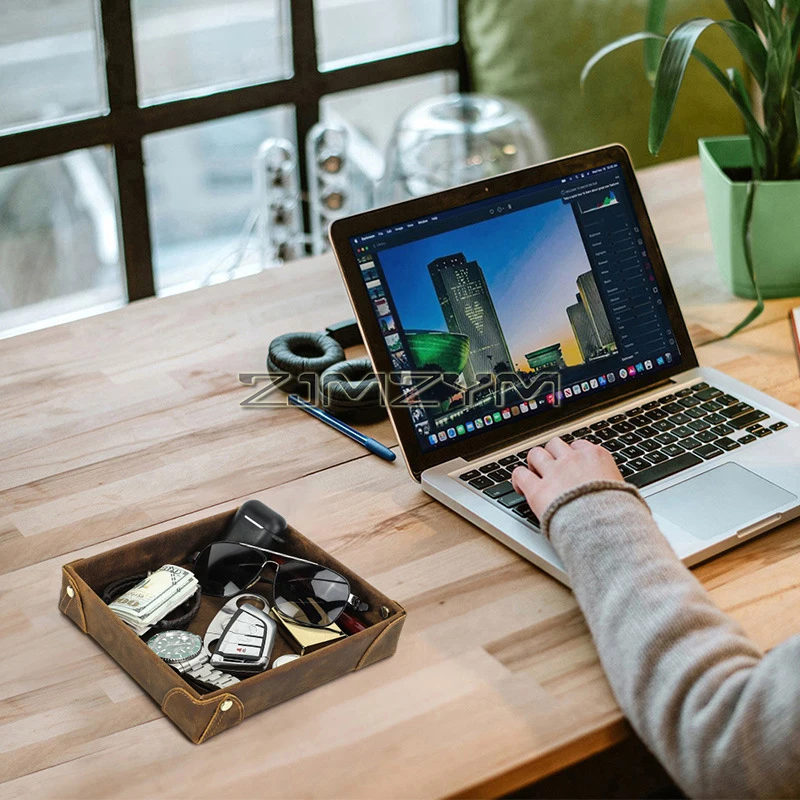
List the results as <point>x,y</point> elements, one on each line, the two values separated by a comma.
<point>304,592</point>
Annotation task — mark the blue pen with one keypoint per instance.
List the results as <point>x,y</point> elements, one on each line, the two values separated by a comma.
<point>365,441</point>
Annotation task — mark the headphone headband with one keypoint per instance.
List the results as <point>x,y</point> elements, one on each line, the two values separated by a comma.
<point>346,333</point>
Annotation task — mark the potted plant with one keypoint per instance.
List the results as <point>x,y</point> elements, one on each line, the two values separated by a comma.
<point>752,182</point>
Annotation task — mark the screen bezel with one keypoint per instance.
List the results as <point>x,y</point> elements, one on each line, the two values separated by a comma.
<point>343,229</point>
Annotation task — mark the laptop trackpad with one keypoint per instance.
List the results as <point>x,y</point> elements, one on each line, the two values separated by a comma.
<point>722,499</point>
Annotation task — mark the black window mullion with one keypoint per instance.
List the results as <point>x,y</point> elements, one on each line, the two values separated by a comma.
<point>306,80</point>
<point>54,140</point>
<point>124,113</point>
<point>302,91</point>
<point>464,72</point>
<point>393,68</point>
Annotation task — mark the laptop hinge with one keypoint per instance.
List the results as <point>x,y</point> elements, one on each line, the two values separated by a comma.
<point>501,445</point>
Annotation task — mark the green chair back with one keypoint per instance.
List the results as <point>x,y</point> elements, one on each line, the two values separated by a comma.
<point>533,51</point>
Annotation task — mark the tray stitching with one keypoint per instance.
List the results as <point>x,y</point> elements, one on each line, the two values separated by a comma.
<point>377,639</point>
<point>62,606</point>
<point>181,690</point>
<point>214,721</point>
<point>74,584</point>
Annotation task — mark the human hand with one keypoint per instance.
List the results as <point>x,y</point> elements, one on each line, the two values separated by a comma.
<point>558,467</point>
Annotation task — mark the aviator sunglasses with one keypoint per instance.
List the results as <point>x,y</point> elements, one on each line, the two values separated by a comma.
<point>304,592</point>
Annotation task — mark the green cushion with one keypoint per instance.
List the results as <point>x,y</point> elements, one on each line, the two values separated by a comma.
<point>533,51</point>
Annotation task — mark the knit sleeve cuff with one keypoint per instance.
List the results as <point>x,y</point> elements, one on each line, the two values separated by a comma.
<point>581,491</point>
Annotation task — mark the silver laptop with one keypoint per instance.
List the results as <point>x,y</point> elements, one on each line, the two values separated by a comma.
<point>537,304</point>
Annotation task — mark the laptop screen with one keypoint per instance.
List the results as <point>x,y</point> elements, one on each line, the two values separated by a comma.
<point>516,305</point>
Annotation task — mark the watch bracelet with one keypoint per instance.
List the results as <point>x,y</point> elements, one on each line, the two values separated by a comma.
<point>205,673</point>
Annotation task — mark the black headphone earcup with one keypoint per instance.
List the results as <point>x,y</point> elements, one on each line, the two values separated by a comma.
<point>295,354</point>
<point>351,391</point>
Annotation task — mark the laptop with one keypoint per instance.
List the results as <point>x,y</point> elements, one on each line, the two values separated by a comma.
<point>537,304</point>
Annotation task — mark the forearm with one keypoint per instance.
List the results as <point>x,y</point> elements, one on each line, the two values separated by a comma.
<point>723,719</point>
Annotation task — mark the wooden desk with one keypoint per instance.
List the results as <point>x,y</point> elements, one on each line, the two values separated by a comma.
<point>115,427</point>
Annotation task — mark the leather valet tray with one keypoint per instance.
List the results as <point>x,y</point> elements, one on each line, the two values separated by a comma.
<point>198,714</point>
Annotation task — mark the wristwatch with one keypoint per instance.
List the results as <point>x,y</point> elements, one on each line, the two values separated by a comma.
<point>184,652</point>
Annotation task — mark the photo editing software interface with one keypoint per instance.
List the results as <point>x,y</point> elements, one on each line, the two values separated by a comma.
<point>520,304</point>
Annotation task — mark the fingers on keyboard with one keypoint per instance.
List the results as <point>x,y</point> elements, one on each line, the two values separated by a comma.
<point>650,442</point>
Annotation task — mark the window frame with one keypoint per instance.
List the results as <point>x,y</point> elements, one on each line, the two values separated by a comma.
<point>126,123</point>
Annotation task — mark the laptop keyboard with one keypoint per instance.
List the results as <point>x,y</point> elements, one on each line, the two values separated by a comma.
<point>649,443</point>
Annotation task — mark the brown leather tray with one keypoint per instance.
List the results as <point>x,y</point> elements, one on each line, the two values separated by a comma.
<point>202,715</point>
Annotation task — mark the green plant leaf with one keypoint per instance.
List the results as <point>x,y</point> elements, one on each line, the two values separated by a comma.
<point>740,85</point>
<point>795,39</point>
<point>796,96</point>
<point>778,104</point>
<point>671,69</point>
<point>674,59</point>
<point>795,169</point>
<point>758,145</point>
<point>792,6</point>
<point>747,242</point>
<point>772,19</point>
<point>617,45</point>
<point>760,11</point>
<point>654,23</point>
<point>749,45</point>
<point>758,139</point>
<point>742,102</point>
<point>740,12</point>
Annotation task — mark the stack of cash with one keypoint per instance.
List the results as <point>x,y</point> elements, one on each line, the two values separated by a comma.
<point>151,600</point>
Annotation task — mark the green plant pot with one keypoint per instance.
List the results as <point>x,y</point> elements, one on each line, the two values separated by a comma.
<point>775,228</point>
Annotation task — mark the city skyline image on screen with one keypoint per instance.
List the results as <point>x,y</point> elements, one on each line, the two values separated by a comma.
<point>519,287</point>
<point>517,304</point>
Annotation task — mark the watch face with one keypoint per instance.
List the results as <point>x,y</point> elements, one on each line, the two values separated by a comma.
<point>175,646</point>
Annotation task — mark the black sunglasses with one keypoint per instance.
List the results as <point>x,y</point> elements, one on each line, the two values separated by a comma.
<point>304,592</point>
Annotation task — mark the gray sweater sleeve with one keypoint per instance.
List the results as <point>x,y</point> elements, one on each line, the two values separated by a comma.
<point>722,717</point>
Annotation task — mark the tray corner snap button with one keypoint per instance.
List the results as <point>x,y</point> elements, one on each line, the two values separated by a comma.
<point>70,592</point>
<point>226,705</point>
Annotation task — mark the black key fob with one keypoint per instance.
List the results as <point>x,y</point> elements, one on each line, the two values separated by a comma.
<point>257,524</point>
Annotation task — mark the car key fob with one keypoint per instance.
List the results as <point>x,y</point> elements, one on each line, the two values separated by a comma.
<point>246,642</point>
<point>223,617</point>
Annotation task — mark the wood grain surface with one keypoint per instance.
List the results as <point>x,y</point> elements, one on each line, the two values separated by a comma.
<point>116,426</point>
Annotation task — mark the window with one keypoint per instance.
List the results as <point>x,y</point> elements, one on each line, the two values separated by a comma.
<point>200,193</point>
<point>141,118</point>
<point>50,64</point>
<point>185,47</point>
<point>374,109</point>
<point>59,246</point>
<point>383,28</point>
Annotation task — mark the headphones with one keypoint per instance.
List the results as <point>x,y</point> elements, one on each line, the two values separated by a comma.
<point>346,388</point>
